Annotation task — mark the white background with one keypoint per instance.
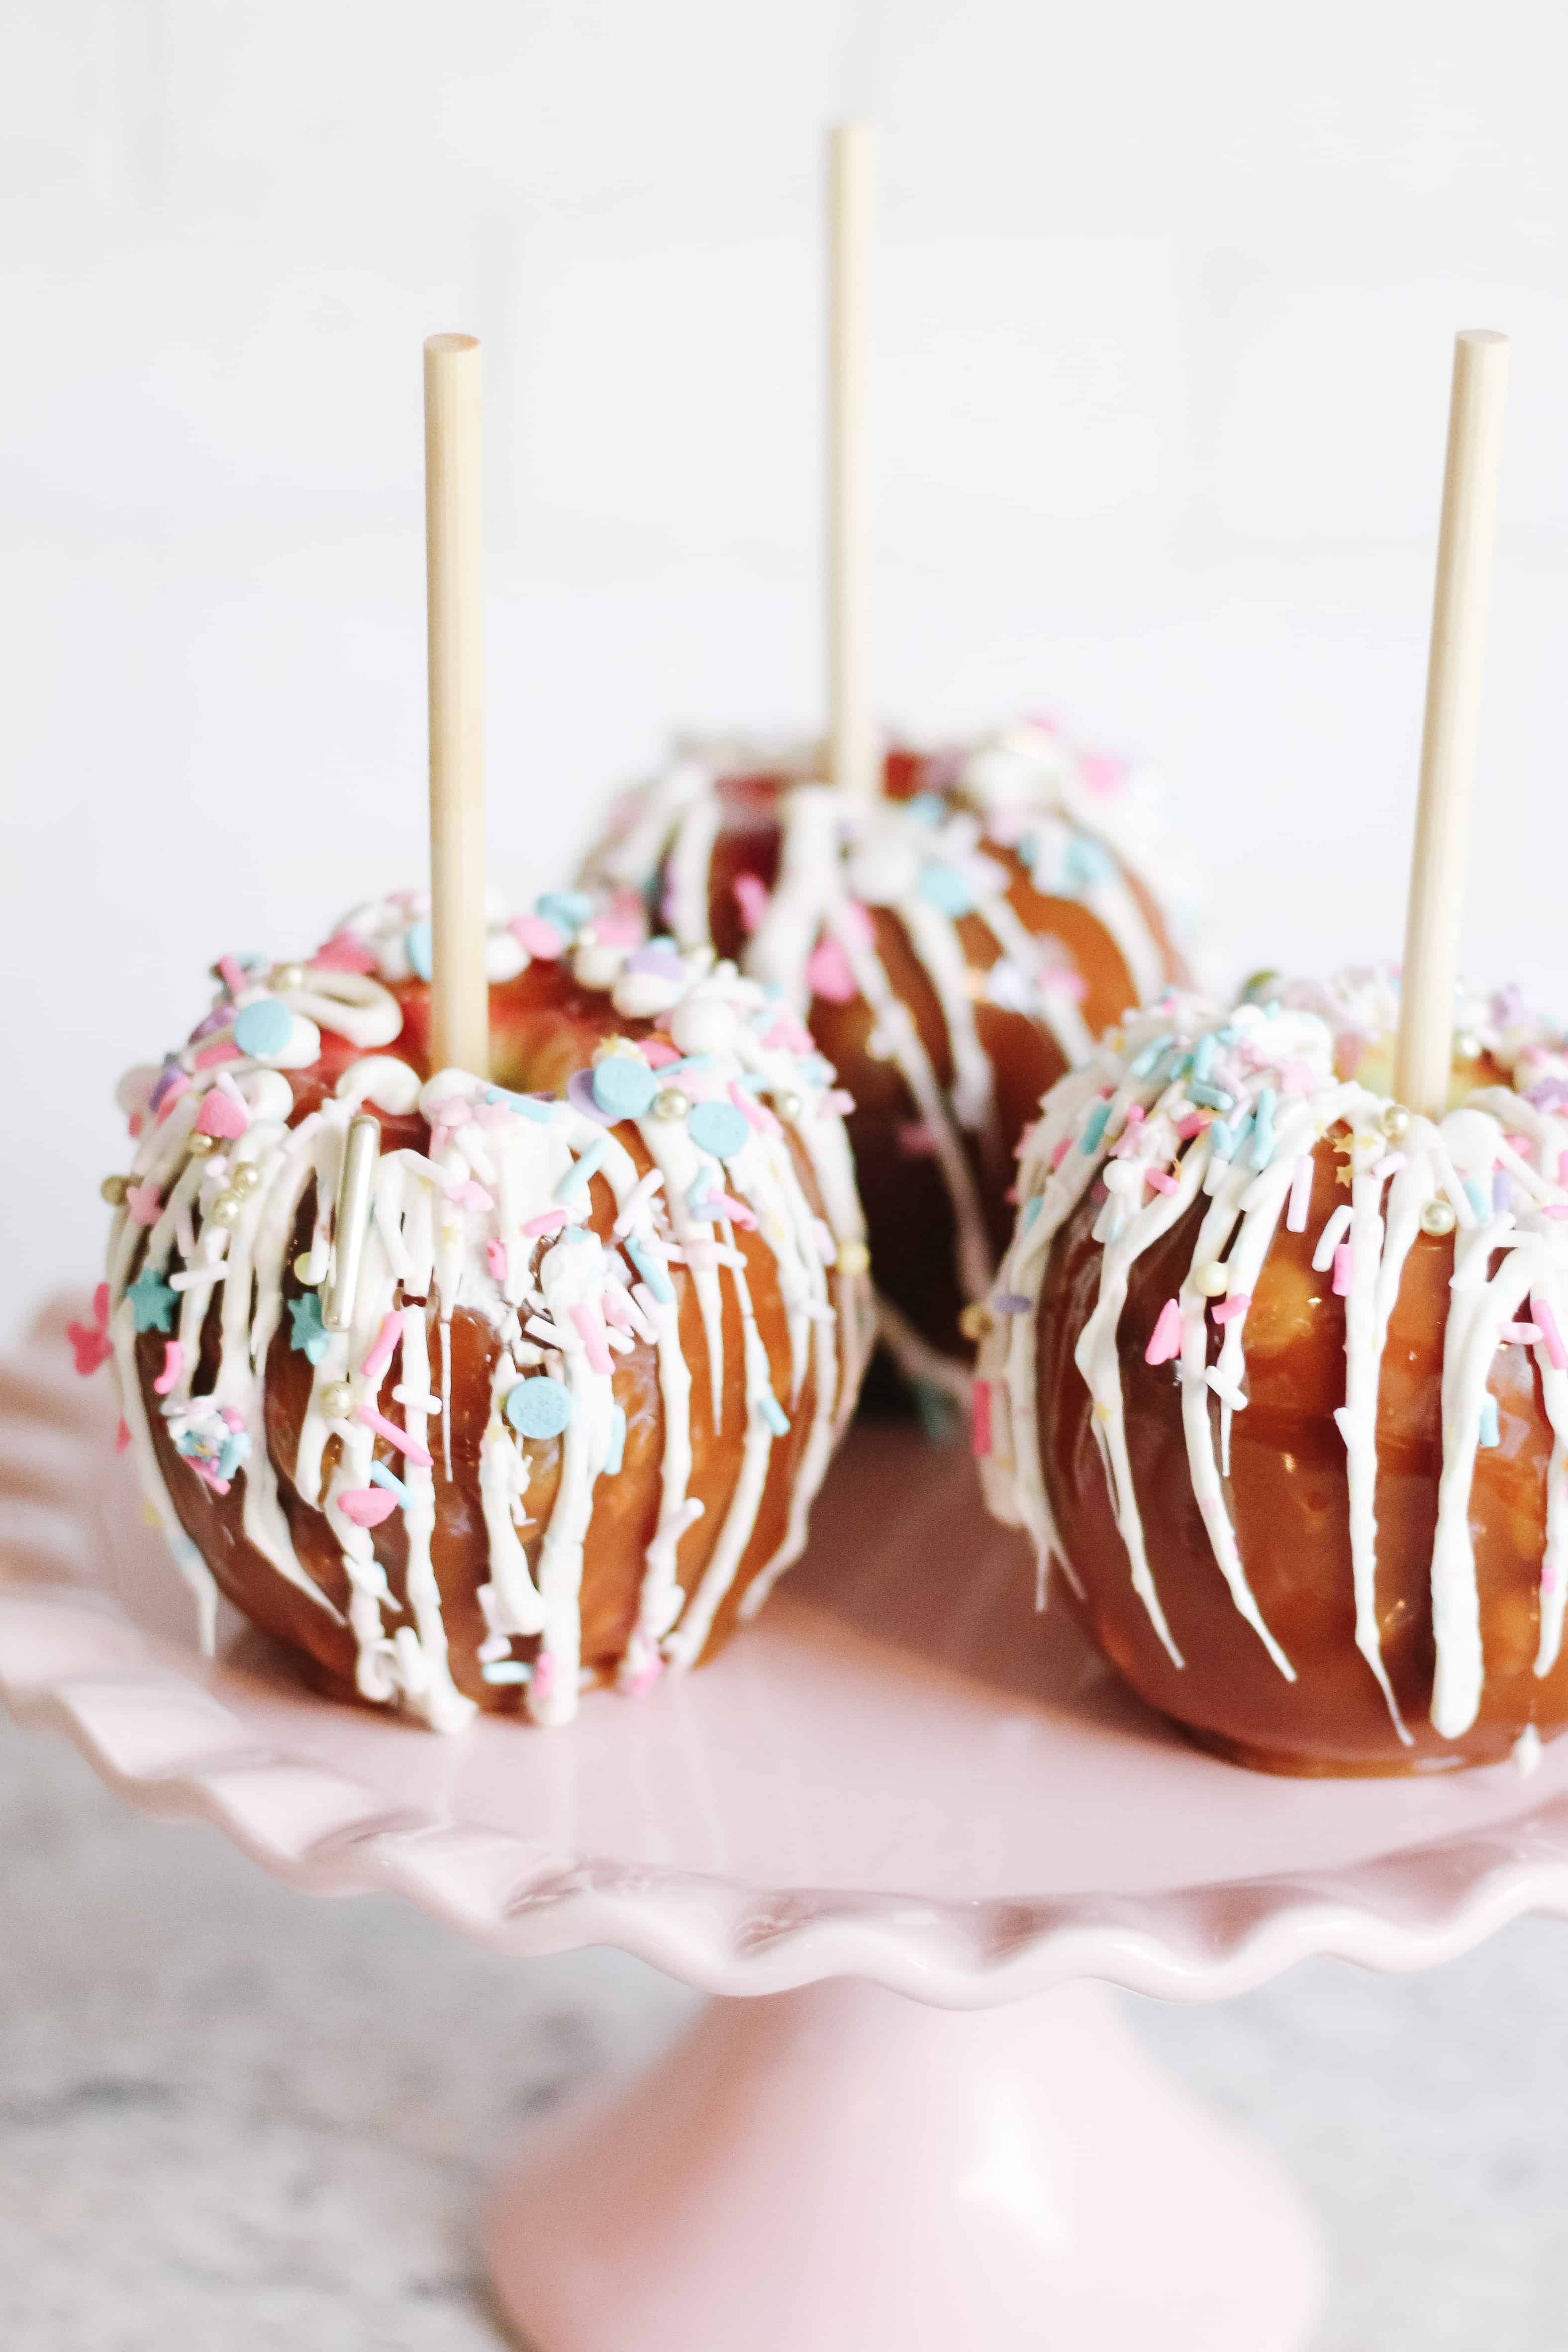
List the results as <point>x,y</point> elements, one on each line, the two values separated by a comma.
<point>1164,307</point>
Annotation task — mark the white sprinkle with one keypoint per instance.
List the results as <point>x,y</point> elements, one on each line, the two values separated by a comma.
<point>1331,1237</point>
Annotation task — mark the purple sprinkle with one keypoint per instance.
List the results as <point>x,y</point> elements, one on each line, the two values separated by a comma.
<point>165,1079</point>
<point>1010,1302</point>
<point>218,1018</point>
<point>1502,1193</point>
<point>662,962</point>
<point>1508,1008</point>
<point>1551,1094</point>
<point>580,1095</point>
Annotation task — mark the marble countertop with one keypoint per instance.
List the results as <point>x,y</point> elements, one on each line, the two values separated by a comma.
<point>232,2116</point>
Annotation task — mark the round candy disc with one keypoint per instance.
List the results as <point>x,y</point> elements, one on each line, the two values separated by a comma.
<point>624,1088</point>
<point>540,1407</point>
<point>946,888</point>
<point>718,1127</point>
<point>419,946</point>
<point>264,1027</point>
<point>567,909</point>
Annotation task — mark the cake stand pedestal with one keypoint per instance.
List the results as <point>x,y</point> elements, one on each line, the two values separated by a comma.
<point>900,1783</point>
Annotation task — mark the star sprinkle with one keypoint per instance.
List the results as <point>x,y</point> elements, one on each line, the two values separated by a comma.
<point>309,1337</point>
<point>144,1203</point>
<point>152,1301</point>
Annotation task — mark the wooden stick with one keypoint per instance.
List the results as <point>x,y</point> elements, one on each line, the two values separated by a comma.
<point>1455,669</point>
<point>853,763</point>
<point>454,555</point>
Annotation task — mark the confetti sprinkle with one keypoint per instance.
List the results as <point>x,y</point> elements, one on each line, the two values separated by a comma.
<point>263,1028</point>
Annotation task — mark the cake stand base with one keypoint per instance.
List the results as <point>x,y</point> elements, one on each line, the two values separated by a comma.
<point>840,2170</point>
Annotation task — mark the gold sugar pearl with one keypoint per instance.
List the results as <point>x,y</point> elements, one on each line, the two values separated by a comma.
<point>288,977</point>
<point>226,1209</point>
<point>671,1103</point>
<point>1213,1280</point>
<point>1395,1122</point>
<point>245,1177</point>
<point>854,1257</point>
<point>201,1147</point>
<point>1439,1217</point>
<point>336,1399</point>
<point>789,1107</point>
<point>303,1269</point>
<point>976,1320</point>
<point>113,1189</point>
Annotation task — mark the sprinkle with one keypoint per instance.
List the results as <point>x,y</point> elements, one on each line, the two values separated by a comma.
<point>1490,1434</point>
<point>211,1055</point>
<point>1263,1120</point>
<point>384,1347</point>
<point>1031,1210</point>
<point>772,1413</point>
<point>542,940</point>
<point>1161,1181</point>
<point>232,974</point>
<point>165,1097</point>
<point>592,1339</point>
<point>641,1192</point>
<point>144,1203</point>
<point>567,909</point>
<point>718,1127</point>
<point>380,1475</point>
<point>395,1436</point>
<point>1477,1198</point>
<point>1389,1165</point>
<point>1094,1129</point>
<point>123,1435</point>
<point>363,1506</point>
<point>174,1365</point>
<point>495,1259</point>
<point>1203,1054</point>
<point>752,1111</point>
<point>343,952</point>
<point>946,888</point>
<point>1145,1061</point>
<point>750,897</point>
<point>827,972</point>
<point>578,1175</point>
<point>724,1204</point>
<point>623,1086</point>
<point>549,1220</point>
<point>1226,1141</point>
<point>1562,1168</point>
<point>1060,1152</point>
<point>1526,1333</point>
<point>1550,1333</point>
<point>1502,1193</point>
<point>1300,1195</point>
<point>467,1195</point>
<point>980,1439</point>
<point>506,1672</point>
<point>539,1407</point>
<point>91,1344</point>
<point>152,1301</point>
<point>222,1115</point>
<point>643,1257</point>
<point>1165,1341</point>
<point>1010,1302</point>
<point>615,1452</point>
<point>1329,1239</point>
<point>263,1028</point>
<point>419,946</point>
<point>1226,1390</point>
<point>1194,1124</point>
<point>1344,1270</point>
<point>1211,1098</point>
<point>540,1108</point>
<point>1225,1310</point>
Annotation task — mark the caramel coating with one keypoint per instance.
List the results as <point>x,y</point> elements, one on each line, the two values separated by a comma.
<point>1288,1496</point>
<point>909,1218</point>
<point>543,1026</point>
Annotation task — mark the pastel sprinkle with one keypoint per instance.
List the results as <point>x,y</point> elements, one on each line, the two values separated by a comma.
<point>1263,1123</point>
<point>1211,1098</point>
<point>567,909</point>
<point>263,1028</point>
<point>1490,1434</point>
<point>623,1086</point>
<point>144,1203</point>
<point>1161,1181</point>
<point>538,938</point>
<point>980,1438</point>
<point>615,1452</point>
<point>396,1437</point>
<point>495,1260</point>
<point>152,1301</point>
<point>121,1435</point>
<point>1550,1333</point>
<point>650,1269</point>
<point>1060,1152</point>
<point>1094,1129</point>
<point>221,1115</point>
<point>1344,1270</point>
<point>578,1175</point>
<point>1526,1333</point>
<point>592,1338</point>
<point>539,1407</point>
<point>1010,1302</point>
<point>946,888</point>
<point>718,1127</point>
<point>1165,1340</point>
<point>752,1111</point>
<point>772,1413</point>
<point>828,974</point>
<point>752,899</point>
<point>419,946</point>
<point>549,1220</point>
<point>366,1506</point>
<point>1329,1239</point>
<point>1225,1310</point>
<point>380,1475</point>
<point>1476,1196</point>
<point>225,1050</point>
<point>1140,1066</point>
<point>174,1365</point>
<point>231,971</point>
<point>384,1346</point>
<point>1300,1195</point>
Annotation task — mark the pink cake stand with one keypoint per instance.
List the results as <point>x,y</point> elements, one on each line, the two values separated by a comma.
<point>900,1782</point>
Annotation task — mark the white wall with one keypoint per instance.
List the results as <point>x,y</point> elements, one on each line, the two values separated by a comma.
<point>1165,303</point>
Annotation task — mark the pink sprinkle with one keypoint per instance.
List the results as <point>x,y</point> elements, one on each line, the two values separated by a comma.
<point>1165,1340</point>
<point>231,975</point>
<point>1548,1579</point>
<point>174,1365</point>
<point>1300,1195</point>
<point>221,1115</point>
<point>367,1505</point>
<point>384,1348</point>
<point>656,1051</point>
<point>1102,773</point>
<point>828,974</point>
<point>1160,1180</point>
<point>837,1104</point>
<point>144,1203</point>
<point>1527,1333</point>
<point>223,1050</point>
<point>343,952</point>
<point>752,1110</point>
<point>1562,1168</point>
<point>752,898</point>
<point>1059,981</point>
<point>232,1420</point>
<point>592,1339</point>
<point>918,1139</point>
<point>1554,1209</point>
<point>1225,1310</point>
<point>90,1342</point>
<point>469,1196</point>
<point>1343,1270</point>
<point>643,1681</point>
<point>549,1220</point>
<point>179,1085</point>
<point>543,1674</point>
<point>400,1438</point>
<point>1194,1124</point>
<point>1520,1143</point>
<point>495,1258</point>
<point>736,1211</point>
<point>1297,1079</point>
<point>857,920</point>
<point>1126,1143</point>
<point>1550,1333</point>
<point>789,1035</point>
<point>540,939</point>
<point>619,926</point>
<point>1060,1152</point>
<point>615,1309</point>
<point>980,1443</point>
<point>123,1435</point>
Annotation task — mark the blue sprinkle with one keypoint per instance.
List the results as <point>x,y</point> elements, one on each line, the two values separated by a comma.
<point>380,1475</point>
<point>623,1087</point>
<point>236,1446</point>
<point>309,1337</point>
<point>929,807</point>
<point>567,909</point>
<point>617,1447</point>
<point>576,1234</point>
<point>1228,1140</point>
<point>945,889</point>
<point>817,1070</point>
<point>1150,1055</point>
<point>1263,1119</point>
<point>507,1670</point>
<point>539,1407</point>
<point>1032,1208</point>
<point>1228,1035</point>
<point>1211,1098</point>
<point>1490,1434</point>
<point>1203,1059</point>
<point>698,1190</point>
<point>718,1127</point>
<point>667,1070</point>
<point>1085,863</point>
<point>577,1175</point>
<point>772,1413</point>
<point>1095,1128</point>
<point>664,945</point>
<point>532,1106</point>
<point>1477,1199</point>
<point>419,946</point>
<point>648,1267</point>
<point>264,1027</point>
